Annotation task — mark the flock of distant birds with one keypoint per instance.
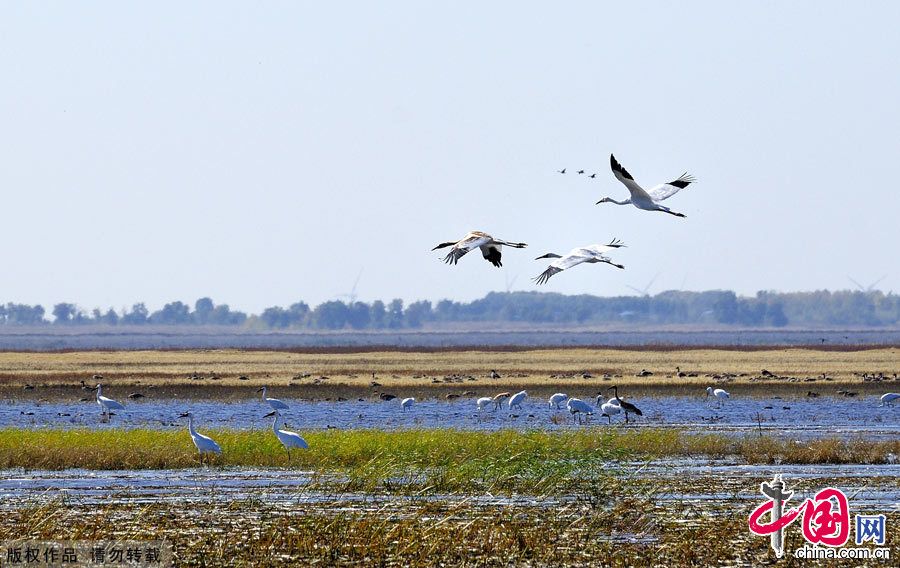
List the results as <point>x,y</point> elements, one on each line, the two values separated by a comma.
<point>645,199</point>
<point>579,409</point>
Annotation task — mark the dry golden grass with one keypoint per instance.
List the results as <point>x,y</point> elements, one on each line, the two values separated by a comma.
<point>330,376</point>
<point>404,368</point>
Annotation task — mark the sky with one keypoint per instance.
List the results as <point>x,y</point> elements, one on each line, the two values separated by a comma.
<point>262,154</point>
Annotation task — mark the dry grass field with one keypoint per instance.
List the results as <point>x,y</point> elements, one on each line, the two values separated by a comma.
<point>220,372</point>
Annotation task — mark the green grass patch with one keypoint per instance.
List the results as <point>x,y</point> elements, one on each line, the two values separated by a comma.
<point>448,459</point>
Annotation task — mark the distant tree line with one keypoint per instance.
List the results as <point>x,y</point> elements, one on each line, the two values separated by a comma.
<point>765,309</point>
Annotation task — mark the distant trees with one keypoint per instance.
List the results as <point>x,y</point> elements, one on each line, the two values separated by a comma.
<point>139,315</point>
<point>21,314</point>
<point>173,313</point>
<point>330,315</point>
<point>377,315</point>
<point>721,307</point>
<point>64,313</point>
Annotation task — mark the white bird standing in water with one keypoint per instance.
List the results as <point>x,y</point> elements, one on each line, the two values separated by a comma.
<point>483,402</point>
<point>107,404</point>
<point>273,402</point>
<point>516,400</point>
<point>609,408</point>
<point>718,394</point>
<point>287,438</point>
<point>490,247</point>
<point>556,400</point>
<point>889,398</point>
<point>648,200</point>
<point>204,444</point>
<point>407,403</point>
<point>591,254</point>
<point>578,407</point>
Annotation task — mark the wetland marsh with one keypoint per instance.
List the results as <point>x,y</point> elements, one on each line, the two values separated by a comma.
<point>442,484</point>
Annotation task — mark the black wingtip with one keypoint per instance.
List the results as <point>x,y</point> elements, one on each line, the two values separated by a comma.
<point>683,181</point>
<point>617,167</point>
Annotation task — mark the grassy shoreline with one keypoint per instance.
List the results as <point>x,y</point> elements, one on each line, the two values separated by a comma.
<point>456,458</point>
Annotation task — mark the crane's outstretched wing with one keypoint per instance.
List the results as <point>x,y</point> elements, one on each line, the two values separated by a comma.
<point>545,275</point>
<point>623,176</point>
<point>559,265</point>
<point>666,190</point>
<point>460,249</point>
<point>598,249</point>
<point>491,253</point>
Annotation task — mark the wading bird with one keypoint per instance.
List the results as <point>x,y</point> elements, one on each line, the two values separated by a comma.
<point>273,402</point>
<point>204,444</point>
<point>626,406</point>
<point>556,400</point>
<point>591,254</point>
<point>495,374</point>
<point>719,394</point>
<point>483,402</point>
<point>490,247</point>
<point>287,438</point>
<point>578,407</point>
<point>889,398</point>
<point>107,404</point>
<point>609,408</point>
<point>516,400</point>
<point>407,403</point>
<point>499,398</point>
<point>648,200</point>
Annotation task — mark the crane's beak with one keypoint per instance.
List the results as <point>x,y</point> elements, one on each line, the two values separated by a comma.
<point>259,389</point>
<point>185,415</point>
<point>273,413</point>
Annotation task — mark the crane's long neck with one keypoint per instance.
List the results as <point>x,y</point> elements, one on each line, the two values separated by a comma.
<point>99,391</point>
<point>191,426</point>
<point>275,423</point>
<point>264,393</point>
<point>626,202</point>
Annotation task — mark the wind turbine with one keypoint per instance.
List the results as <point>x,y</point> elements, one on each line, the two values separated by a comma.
<point>509,283</point>
<point>352,295</point>
<point>646,290</point>
<point>870,287</point>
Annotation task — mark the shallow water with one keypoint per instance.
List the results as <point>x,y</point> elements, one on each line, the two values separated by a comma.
<point>800,417</point>
<point>50,338</point>
<point>184,486</point>
<point>705,481</point>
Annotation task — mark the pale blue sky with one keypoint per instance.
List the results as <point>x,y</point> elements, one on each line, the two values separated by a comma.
<point>261,155</point>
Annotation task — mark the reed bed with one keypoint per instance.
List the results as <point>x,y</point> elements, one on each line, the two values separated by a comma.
<point>451,459</point>
<point>631,530</point>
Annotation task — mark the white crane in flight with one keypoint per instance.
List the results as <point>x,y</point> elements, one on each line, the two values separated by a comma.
<point>647,199</point>
<point>490,247</point>
<point>590,254</point>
